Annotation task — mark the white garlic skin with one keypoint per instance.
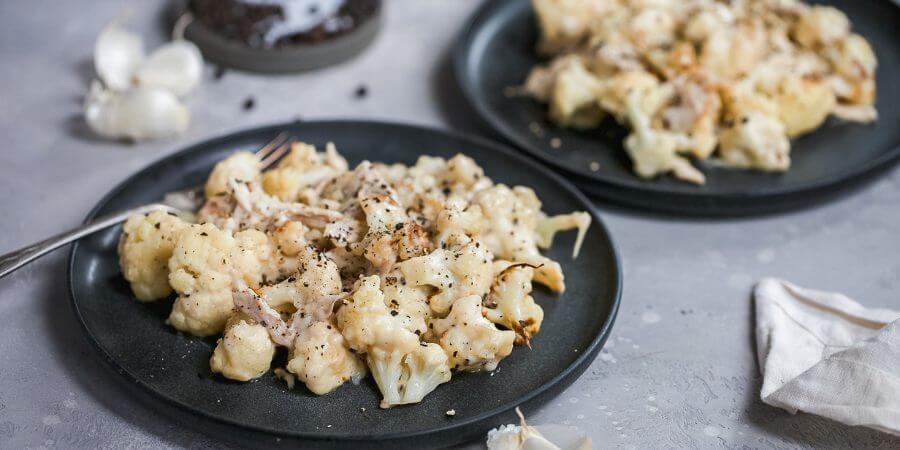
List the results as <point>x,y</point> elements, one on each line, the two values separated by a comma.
<point>141,113</point>
<point>176,66</point>
<point>117,54</point>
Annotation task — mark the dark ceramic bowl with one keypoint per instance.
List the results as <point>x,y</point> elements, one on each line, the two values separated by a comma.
<point>170,370</point>
<point>497,50</point>
<point>289,59</point>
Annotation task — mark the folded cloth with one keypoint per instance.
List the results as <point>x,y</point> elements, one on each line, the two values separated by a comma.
<point>825,354</point>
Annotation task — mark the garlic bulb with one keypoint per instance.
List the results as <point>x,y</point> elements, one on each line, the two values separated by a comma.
<point>176,66</point>
<point>141,113</point>
<point>138,96</point>
<point>526,437</point>
<point>117,54</point>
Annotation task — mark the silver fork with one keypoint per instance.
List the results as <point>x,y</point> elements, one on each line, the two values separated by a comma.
<point>174,202</point>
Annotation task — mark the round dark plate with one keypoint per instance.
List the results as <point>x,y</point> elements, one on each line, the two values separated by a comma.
<point>496,50</point>
<point>172,370</point>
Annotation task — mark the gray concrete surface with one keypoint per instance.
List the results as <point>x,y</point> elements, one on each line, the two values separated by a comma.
<point>678,372</point>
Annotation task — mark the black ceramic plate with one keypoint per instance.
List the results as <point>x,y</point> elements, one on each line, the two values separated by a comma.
<point>496,51</point>
<point>172,370</point>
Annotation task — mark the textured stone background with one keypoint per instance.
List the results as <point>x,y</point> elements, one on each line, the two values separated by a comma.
<point>679,369</point>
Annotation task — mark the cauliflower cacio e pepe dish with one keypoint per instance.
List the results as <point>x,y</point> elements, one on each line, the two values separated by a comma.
<point>732,80</point>
<point>404,272</point>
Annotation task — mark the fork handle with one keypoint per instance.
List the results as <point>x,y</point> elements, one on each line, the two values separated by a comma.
<point>18,258</point>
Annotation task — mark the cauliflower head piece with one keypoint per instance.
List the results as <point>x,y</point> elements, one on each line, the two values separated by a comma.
<point>405,378</point>
<point>202,313</point>
<point>404,369</point>
<point>821,25</point>
<point>200,272</point>
<point>513,216</point>
<point>573,97</point>
<point>145,247</point>
<point>455,273</point>
<point>756,140</point>
<point>367,323</point>
<point>513,306</point>
<point>244,352</point>
<point>410,302</point>
<point>205,264</point>
<point>244,166</point>
<point>803,104</point>
<point>321,360</point>
<point>471,342</point>
<point>301,169</point>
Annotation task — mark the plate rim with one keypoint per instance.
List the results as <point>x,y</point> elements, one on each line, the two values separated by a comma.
<point>580,364</point>
<point>462,53</point>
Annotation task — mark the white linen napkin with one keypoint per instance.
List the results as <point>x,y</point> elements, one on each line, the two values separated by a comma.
<point>825,354</point>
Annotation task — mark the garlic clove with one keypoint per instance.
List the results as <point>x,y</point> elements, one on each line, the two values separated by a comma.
<point>504,437</point>
<point>543,437</point>
<point>176,66</point>
<point>565,437</point>
<point>117,54</point>
<point>144,112</point>
<point>532,439</point>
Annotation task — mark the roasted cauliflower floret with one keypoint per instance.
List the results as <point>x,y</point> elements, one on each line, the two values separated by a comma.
<point>702,25</point>
<point>290,238</point>
<point>471,342</point>
<point>803,104</point>
<point>144,250</point>
<point>463,175</point>
<point>512,217</point>
<point>242,166</point>
<point>511,304</point>
<point>410,302</point>
<point>540,80</point>
<point>423,189</point>
<point>245,351</point>
<point>563,23</point>
<point>455,272</point>
<point>694,111</point>
<point>302,168</point>
<point>205,264</point>
<point>731,52</point>
<point>202,313</point>
<point>657,152</point>
<point>855,63</point>
<point>366,322</point>
<point>255,259</point>
<point>200,271</point>
<point>370,327</point>
<point>821,25</point>
<point>755,140</point>
<point>320,359</point>
<point>408,378</point>
<point>310,293</point>
<point>458,218</point>
<point>650,28</point>
<point>853,58</point>
<point>391,235</point>
<point>573,97</point>
<point>618,88</point>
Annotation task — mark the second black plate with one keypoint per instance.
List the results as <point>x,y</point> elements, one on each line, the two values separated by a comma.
<point>496,51</point>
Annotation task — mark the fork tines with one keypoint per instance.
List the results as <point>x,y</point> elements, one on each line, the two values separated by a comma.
<point>270,153</point>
